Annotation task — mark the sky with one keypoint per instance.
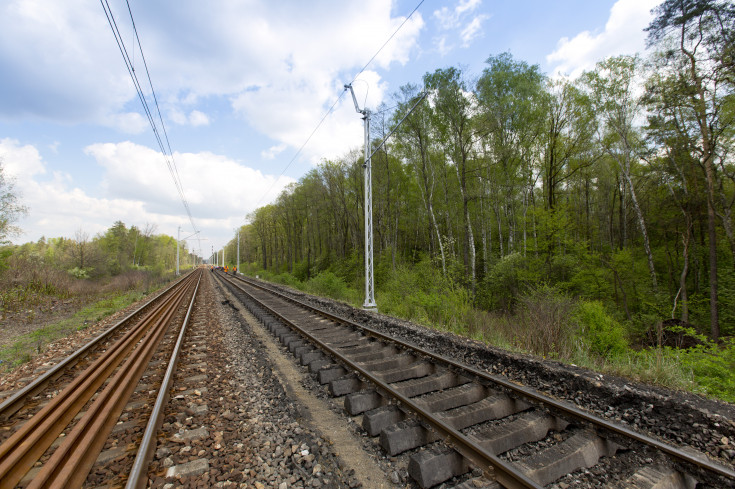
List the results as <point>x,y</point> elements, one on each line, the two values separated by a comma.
<point>241,87</point>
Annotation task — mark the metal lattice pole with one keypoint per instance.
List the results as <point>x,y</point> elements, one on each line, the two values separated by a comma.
<point>369,281</point>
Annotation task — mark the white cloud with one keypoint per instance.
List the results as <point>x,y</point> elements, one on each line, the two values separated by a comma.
<point>472,30</point>
<point>272,152</point>
<point>214,185</point>
<point>197,118</point>
<point>177,116</point>
<point>299,53</point>
<point>57,62</point>
<point>127,122</point>
<point>623,34</point>
<point>55,208</point>
<point>285,115</point>
<point>20,161</point>
<point>137,188</point>
<point>468,27</point>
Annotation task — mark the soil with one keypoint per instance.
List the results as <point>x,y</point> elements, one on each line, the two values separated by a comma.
<point>16,324</point>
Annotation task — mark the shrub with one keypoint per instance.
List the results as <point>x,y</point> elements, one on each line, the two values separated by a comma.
<point>287,279</point>
<point>80,273</point>
<point>600,333</point>
<point>502,285</point>
<point>328,284</point>
<point>544,327</point>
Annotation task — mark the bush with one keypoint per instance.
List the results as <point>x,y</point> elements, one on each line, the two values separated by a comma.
<point>328,284</point>
<point>600,333</point>
<point>287,279</point>
<point>544,327</point>
<point>713,367</point>
<point>504,283</point>
<point>80,273</point>
<point>420,293</point>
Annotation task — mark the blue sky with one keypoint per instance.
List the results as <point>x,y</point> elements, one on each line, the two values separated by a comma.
<point>241,85</point>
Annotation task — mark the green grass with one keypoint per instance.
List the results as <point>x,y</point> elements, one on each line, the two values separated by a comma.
<point>24,347</point>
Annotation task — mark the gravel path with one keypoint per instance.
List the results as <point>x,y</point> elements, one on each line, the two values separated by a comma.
<point>248,423</point>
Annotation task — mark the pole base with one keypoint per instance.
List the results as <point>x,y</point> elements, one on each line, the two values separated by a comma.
<point>370,306</point>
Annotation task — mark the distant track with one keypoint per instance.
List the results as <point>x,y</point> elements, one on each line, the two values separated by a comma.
<point>411,397</point>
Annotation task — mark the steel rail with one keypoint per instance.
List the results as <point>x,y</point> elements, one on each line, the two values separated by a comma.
<point>71,462</point>
<point>503,472</point>
<point>14,403</point>
<point>138,476</point>
<point>24,447</point>
<point>562,406</point>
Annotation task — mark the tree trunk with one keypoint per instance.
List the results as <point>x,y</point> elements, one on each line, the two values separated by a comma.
<point>625,168</point>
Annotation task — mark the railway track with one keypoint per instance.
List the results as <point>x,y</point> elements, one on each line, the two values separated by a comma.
<point>456,419</point>
<point>90,410</point>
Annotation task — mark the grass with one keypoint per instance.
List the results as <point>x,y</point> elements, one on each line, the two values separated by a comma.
<point>27,345</point>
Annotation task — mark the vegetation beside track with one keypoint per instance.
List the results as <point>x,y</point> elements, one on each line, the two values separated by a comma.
<point>45,295</point>
<point>26,345</point>
<point>547,323</point>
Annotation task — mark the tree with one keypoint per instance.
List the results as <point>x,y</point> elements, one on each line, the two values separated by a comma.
<point>612,86</point>
<point>414,143</point>
<point>80,251</point>
<point>694,94</point>
<point>11,210</point>
<point>512,104</point>
<point>453,105</point>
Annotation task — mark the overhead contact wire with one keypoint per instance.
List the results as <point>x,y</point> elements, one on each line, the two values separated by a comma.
<point>168,156</point>
<point>338,99</point>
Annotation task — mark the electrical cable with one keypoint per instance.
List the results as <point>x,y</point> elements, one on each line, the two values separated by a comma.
<point>168,156</point>
<point>175,174</point>
<point>336,101</point>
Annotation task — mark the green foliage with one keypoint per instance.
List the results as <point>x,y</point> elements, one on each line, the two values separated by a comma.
<point>600,333</point>
<point>574,206</point>
<point>5,253</point>
<point>420,293</point>
<point>330,285</point>
<point>504,283</point>
<point>713,368</point>
<point>712,365</point>
<point>81,273</point>
<point>287,279</point>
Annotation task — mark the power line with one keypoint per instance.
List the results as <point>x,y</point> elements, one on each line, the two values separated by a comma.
<point>321,121</point>
<point>175,174</point>
<point>386,42</point>
<point>167,155</point>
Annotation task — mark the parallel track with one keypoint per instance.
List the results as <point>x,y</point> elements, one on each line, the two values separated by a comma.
<point>46,381</point>
<point>411,397</point>
<point>86,409</point>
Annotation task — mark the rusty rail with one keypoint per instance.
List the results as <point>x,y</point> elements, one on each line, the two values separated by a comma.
<point>81,447</point>
<point>14,403</point>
